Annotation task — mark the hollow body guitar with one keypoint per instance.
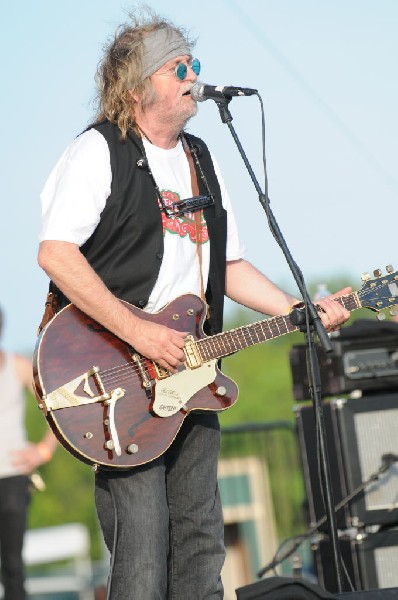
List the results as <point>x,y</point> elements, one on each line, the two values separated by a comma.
<point>113,408</point>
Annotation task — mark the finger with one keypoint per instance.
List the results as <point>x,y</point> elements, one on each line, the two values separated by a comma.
<point>170,362</point>
<point>342,292</point>
<point>335,312</point>
<point>179,340</point>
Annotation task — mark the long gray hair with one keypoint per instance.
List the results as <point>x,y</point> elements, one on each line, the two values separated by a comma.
<point>120,70</point>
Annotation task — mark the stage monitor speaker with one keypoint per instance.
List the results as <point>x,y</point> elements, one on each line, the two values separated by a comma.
<point>282,588</point>
<point>359,433</point>
<point>387,594</point>
<point>370,560</point>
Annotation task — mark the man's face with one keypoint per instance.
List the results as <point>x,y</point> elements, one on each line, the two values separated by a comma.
<point>170,100</point>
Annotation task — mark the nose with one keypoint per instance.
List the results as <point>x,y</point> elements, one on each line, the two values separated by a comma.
<point>191,75</point>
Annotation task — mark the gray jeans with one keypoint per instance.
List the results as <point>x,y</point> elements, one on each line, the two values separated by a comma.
<point>170,527</point>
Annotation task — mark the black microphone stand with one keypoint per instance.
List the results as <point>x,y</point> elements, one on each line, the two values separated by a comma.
<point>310,323</point>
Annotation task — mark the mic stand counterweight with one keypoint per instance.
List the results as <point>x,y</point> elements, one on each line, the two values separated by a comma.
<point>312,323</point>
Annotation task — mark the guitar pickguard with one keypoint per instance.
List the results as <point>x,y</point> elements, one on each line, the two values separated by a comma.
<point>173,393</point>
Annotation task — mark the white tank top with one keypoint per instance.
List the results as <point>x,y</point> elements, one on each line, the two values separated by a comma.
<point>12,416</point>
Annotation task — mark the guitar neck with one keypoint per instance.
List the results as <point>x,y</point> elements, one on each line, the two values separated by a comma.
<point>229,342</point>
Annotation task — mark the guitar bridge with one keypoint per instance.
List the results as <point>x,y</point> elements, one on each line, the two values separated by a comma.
<point>146,383</point>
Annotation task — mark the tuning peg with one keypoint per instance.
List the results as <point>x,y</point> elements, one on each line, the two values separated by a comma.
<point>377,273</point>
<point>393,311</point>
<point>389,269</point>
<point>381,316</point>
<point>365,276</point>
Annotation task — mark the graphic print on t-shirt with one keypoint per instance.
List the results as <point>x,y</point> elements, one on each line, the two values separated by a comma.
<point>183,226</point>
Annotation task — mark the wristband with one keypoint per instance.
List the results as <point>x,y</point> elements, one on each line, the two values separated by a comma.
<point>296,304</point>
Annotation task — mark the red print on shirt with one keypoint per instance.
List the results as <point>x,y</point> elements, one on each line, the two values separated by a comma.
<point>182,226</point>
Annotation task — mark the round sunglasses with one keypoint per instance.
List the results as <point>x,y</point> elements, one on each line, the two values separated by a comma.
<point>181,69</point>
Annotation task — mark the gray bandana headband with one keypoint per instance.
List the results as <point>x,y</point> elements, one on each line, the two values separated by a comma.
<point>160,46</point>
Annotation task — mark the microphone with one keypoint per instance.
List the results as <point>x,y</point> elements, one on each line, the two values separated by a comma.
<point>201,92</point>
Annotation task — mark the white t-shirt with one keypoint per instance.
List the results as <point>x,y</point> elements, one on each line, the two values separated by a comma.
<point>76,192</point>
<point>12,417</point>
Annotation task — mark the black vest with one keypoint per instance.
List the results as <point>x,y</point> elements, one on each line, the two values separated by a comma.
<point>126,248</point>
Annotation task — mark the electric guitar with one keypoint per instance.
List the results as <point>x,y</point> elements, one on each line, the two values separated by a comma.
<point>111,407</point>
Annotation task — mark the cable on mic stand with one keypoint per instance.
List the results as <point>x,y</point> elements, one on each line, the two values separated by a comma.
<point>387,461</point>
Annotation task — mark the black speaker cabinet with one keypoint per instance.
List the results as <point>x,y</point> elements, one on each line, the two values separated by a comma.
<point>368,432</point>
<point>359,433</point>
<point>365,357</point>
<point>308,449</point>
<point>370,561</point>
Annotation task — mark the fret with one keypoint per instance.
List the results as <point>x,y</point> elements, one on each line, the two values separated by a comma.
<point>265,325</point>
<point>249,337</point>
<point>203,347</point>
<point>229,342</point>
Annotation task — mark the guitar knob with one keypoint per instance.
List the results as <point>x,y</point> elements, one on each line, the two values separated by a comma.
<point>393,312</point>
<point>381,316</point>
<point>132,449</point>
<point>389,269</point>
<point>221,391</point>
<point>109,445</point>
<point>377,273</point>
<point>365,276</point>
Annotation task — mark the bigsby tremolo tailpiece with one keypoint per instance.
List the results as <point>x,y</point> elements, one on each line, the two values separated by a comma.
<point>66,396</point>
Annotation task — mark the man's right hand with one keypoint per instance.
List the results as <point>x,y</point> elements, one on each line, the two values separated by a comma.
<point>159,343</point>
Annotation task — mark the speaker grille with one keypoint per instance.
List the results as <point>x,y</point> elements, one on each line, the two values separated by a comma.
<point>368,431</point>
<point>376,434</point>
<point>386,560</point>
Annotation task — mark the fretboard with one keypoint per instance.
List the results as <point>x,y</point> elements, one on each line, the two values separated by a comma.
<point>229,342</point>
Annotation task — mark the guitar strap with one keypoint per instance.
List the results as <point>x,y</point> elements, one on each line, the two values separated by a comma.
<point>197,214</point>
<point>50,309</point>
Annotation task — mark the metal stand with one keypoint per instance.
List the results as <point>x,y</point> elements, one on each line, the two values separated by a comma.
<point>310,323</point>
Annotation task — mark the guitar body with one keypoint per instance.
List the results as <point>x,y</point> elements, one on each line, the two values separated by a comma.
<point>110,407</point>
<point>73,343</point>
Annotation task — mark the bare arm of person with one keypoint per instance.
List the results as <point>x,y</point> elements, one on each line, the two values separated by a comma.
<point>248,286</point>
<point>33,455</point>
<point>68,268</point>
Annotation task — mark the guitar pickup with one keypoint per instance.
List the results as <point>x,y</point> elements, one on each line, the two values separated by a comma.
<point>192,355</point>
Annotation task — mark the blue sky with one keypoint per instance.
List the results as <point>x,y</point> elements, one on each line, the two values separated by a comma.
<point>326,70</point>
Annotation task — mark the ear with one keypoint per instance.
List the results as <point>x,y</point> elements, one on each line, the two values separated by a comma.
<point>134,96</point>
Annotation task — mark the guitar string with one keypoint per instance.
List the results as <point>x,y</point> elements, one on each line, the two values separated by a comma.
<point>226,340</point>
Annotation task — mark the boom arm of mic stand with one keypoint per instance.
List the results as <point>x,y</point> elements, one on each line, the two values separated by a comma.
<point>313,322</point>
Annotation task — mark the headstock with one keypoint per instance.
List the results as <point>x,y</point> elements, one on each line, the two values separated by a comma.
<point>381,292</point>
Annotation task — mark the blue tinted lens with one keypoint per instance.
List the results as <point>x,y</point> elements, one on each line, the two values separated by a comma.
<point>196,66</point>
<point>181,71</point>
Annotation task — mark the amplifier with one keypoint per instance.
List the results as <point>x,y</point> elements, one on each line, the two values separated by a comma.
<point>365,357</point>
<point>359,433</point>
<point>370,560</point>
